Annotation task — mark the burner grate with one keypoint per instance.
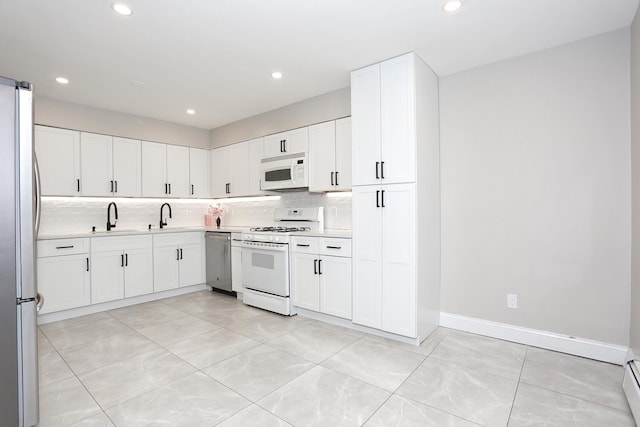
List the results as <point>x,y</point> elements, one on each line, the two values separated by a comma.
<point>279,229</point>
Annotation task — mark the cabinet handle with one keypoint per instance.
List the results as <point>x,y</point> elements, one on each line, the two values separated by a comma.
<point>192,189</point>
<point>382,170</point>
<point>337,178</point>
<point>64,247</point>
<point>319,266</point>
<point>284,145</point>
<point>78,184</point>
<point>177,254</point>
<point>383,198</point>
<point>166,188</point>
<point>169,188</point>
<point>377,170</point>
<point>315,266</point>
<point>377,198</point>
<point>112,186</point>
<point>121,260</point>
<point>334,247</point>
<point>126,260</point>
<point>181,253</point>
<point>332,178</point>
<point>87,263</point>
<point>116,186</point>
<point>302,246</point>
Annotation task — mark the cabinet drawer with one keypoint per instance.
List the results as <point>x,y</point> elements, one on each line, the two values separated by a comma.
<point>305,245</point>
<point>47,248</point>
<point>171,239</point>
<point>335,246</point>
<point>100,244</point>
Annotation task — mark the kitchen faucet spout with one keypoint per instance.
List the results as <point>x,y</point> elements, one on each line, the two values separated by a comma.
<point>164,222</point>
<point>109,225</point>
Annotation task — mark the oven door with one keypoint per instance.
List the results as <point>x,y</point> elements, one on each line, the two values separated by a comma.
<point>266,270</point>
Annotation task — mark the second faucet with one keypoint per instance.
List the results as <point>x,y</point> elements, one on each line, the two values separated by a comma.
<point>164,222</point>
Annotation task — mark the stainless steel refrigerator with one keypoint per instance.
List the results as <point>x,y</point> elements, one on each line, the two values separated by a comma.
<point>19,208</point>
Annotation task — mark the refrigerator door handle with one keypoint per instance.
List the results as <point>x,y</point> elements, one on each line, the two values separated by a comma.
<point>37,195</point>
<point>40,298</point>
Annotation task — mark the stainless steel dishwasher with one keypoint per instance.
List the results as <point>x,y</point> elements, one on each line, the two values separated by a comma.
<point>218,247</point>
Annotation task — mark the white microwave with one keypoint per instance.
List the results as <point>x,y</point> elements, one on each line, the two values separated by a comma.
<point>287,172</point>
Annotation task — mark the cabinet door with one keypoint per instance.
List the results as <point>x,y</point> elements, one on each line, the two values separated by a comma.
<point>127,167</point>
<point>239,182</point>
<point>322,155</point>
<point>398,121</point>
<point>398,260</point>
<point>220,166</point>
<point>138,272</point>
<point>199,172</point>
<point>343,154</point>
<point>365,120</point>
<point>165,268</point>
<point>296,141</point>
<point>255,155</point>
<point>178,171</point>
<point>236,269</point>
<point>58,152</point>
<point>272,146</point>
<point>305,281</point>
<point>64,282</point>
<point>335,286</point>
<point>107,276</point>
<point>367,256</point>
<point>191,265</point>
<point>154,169</point>
<point>96,160</point>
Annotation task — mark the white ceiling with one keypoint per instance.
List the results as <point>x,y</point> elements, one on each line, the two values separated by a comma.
<point>217,56</point>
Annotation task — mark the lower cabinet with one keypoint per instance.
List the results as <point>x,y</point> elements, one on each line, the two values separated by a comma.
<point>178,260</point>
<point>321,275</point>
<point>63,274</point>
<point>121,267</point>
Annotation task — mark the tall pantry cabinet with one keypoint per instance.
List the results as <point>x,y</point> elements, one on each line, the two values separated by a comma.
<point>396,197</point>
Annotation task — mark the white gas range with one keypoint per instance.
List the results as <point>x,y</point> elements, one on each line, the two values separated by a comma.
<point>265,258</point>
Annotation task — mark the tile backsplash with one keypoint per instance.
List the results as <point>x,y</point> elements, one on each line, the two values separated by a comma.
<point>62,215</point>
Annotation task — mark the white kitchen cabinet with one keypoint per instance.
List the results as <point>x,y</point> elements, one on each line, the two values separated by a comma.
<point>230,170</point>
<point>393,290</point>
<point>199,173</point>
<point>330,156</point>
<point>165,170</point>
<point>384,135</point>
<point>236,263</point>
<point>121,267</point>
<point>110,166</point>
<point>321,275</point>
<point>58,153</point>
<point>63,274</point>
<point>289,142</point>
<point>178,260</point>
<point>256,153</point>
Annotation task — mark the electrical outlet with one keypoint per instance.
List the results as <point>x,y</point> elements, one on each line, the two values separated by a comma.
<point>512,301</point>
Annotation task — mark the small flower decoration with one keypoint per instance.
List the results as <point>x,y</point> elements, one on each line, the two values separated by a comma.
<point>217,211</point>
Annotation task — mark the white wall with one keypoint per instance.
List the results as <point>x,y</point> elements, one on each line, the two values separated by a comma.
<point>67,115</point>
<point>322,108</point>
<point>635,184</point>
<point>536,190</point>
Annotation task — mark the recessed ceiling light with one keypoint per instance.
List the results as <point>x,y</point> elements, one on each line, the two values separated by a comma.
<point>191,111</point>
<point>276,75</point>
<point>62,80</point>
<point>122,9</point>
<point>452,5</point>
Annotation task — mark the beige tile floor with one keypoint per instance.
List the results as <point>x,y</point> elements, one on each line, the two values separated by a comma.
<point>204,359</point>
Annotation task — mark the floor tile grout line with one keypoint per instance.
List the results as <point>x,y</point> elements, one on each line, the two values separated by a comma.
<point>515,393</point>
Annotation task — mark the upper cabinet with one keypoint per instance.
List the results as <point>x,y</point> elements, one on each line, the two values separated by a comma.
<point>165,170</point>
<point>383,97</point>
<point>289,142</point>
<point>199,172</point>
<point>330,156</point>
<point>230,170</point>
<point>110,166</point>
<point>58,153</point>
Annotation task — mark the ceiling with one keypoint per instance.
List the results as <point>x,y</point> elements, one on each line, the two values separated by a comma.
<point>217,56</point>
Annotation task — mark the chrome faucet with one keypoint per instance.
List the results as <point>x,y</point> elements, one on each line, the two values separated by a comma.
<point>163,223</point>
<point>109,225</point>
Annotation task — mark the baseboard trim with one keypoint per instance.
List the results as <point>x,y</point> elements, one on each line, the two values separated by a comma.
<point>611,353</point>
